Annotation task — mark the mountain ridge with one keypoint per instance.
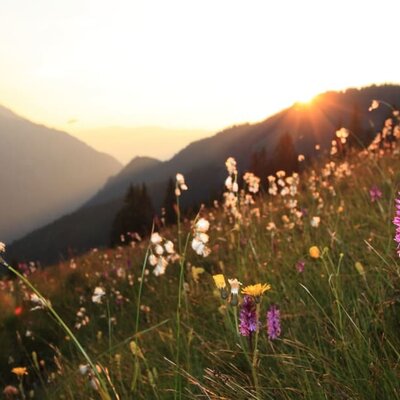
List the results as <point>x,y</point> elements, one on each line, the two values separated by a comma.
<point>202,162</point>
<point>39,177</point>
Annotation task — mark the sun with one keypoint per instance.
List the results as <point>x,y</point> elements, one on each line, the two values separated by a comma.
<point>306,100</point>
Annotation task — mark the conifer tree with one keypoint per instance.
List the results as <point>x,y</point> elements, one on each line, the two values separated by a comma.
<point>135,215</point>
<point>285,156</point>
<point>169,203</point>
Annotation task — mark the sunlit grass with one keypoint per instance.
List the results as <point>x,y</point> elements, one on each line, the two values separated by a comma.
<point>319,239</point>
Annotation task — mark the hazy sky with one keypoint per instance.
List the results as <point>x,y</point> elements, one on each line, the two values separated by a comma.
<point>82,64</point>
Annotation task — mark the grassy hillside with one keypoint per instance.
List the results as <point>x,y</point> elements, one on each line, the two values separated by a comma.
<point>263,147</point>
<point>323,241</point>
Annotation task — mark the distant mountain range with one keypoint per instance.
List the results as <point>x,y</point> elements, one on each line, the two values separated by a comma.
<point>44,174</point>
<point>125,142</point>
<point>202,163</point>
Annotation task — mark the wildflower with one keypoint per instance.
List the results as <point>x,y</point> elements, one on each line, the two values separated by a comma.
<point>180,184</point>
<point>253,182</point>
<point>315,222</point>
<point>39,301</point>
<point>375,193</point>
<point>396,221</point>
<point>19,371</point>
<point>234,283</point>
<point>18,311</point>
<point>256,290</point>
<point>162,252</point>
<point>300,265</point>
<point>314,252</point>
<point>202,225</point>
<point>342,134</point>
<point>220,283</point>
<point>2,247</point>
<point>300,158</point>
<point>200,238</point>
<point>374,105</point>
<point>161,266</point>
<point>196,272</point>
<point>169,247</point>
<point>83,369</point>
<point>231,166</point>
<point>156,238</point>
<point>199,247</point>
<point>248,316</point>
<point>98,294</point>
<point>10,391</point>
<point>273,323</point>
<point>231,185</point>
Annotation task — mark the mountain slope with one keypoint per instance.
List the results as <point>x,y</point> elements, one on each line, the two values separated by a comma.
<point>202,162</point>
<point>44,173</point>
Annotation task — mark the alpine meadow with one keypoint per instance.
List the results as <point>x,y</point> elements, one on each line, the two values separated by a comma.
<point>286,285</point>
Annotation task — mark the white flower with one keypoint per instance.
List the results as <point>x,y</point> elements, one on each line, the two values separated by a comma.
<point>40,303</point>
<point>159,250</point>
<point>315,222</point>
<point>2,247</point>
<point>202,225</point>
<point>203,237</point>
<point>228,182</point>
<point>180,180</point>
<point>234,283</point>
<point>98,294</point>
<point>169,247</point>
<point>300,158</point>
<point>342,133</point>
<point>231,165</point>
<point>153,260</point>
<point>83,369</point>
<point>161,266</point>
<point>200,248</point>
<point>374,105</point>
<point>156,238</point>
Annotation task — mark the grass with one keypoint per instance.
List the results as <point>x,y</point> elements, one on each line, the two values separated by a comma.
<point>172,336</point>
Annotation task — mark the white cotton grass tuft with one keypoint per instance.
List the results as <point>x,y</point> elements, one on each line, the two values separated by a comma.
<point>201,238</point>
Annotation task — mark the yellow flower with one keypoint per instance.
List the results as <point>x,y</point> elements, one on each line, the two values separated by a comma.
<point>256,290</point>
<point>20,371</point>
<point>314,252</point>
<point>196,272</point>
<point>219,281</point>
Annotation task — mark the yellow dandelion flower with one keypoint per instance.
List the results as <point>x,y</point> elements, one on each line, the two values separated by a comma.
<point>314,252</point>
<point>256,290</point>
<point>19,371</point>
<point>219,280</point>
<point>220,283</point>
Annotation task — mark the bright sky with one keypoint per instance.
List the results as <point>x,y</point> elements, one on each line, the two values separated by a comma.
<point>81,64</point>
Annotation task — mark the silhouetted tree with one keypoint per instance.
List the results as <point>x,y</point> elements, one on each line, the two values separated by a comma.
<point>259,165</point>
<point>356,137</point>
<point>284,156</point>
<point>136,214</point>
<point>169,203</point>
